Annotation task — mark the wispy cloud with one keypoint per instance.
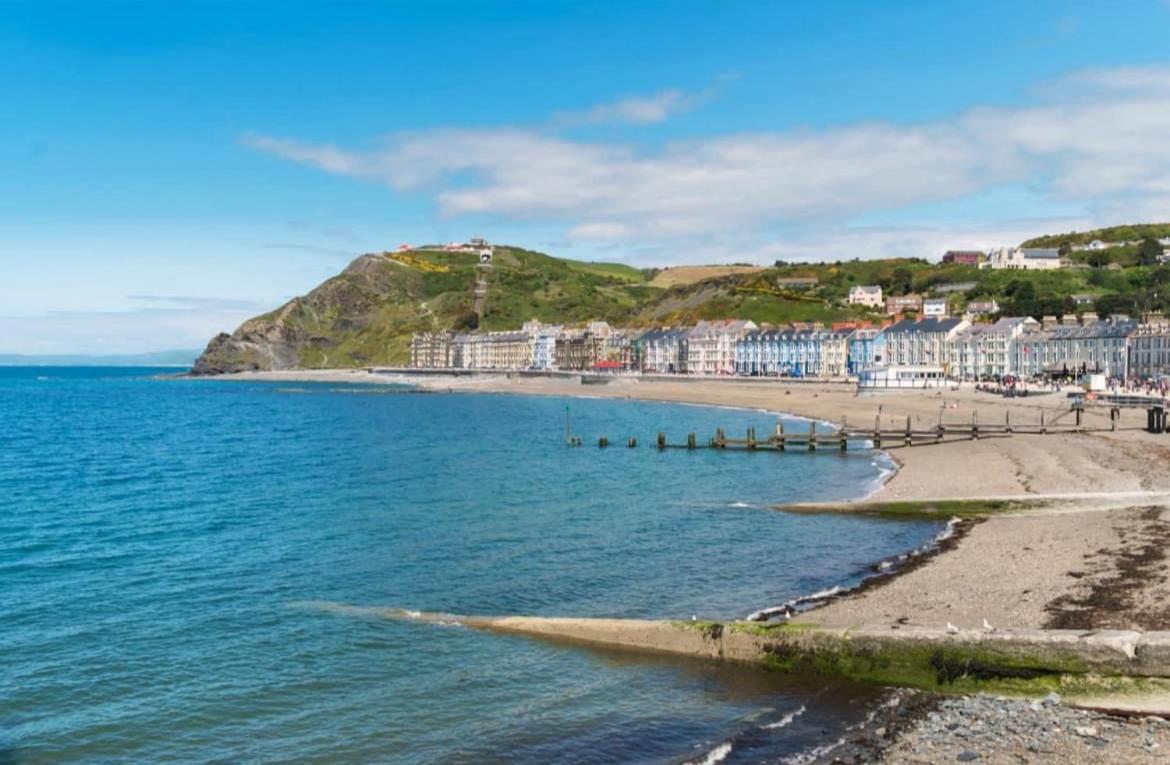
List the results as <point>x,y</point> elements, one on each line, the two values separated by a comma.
<point>637,110</point>
<point>1096,144</point>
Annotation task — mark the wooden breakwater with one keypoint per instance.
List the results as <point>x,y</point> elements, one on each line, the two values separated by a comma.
<point>842,438</point>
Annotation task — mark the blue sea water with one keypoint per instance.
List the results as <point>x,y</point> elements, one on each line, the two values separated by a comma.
<point>174,556</point>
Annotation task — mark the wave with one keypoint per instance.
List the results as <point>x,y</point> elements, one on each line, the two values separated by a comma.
<point>786,720</point>
<point>790,607</point>
<point>884,567</point>
<point>718,754</point>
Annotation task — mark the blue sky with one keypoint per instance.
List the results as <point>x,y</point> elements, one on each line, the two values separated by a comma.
<point>173,168</point>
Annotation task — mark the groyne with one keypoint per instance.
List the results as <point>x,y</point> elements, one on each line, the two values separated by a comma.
<point>1022,662</point>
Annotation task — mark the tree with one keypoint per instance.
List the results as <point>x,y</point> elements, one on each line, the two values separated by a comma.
<point>1149,251</point>
<point>1099,258</point>
<point>901,281</point>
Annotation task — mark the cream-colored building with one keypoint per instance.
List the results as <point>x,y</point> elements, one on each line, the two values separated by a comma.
<point>987,350</point>
<point>925,342</point>
<point>711,345</point>
<point>1023,259</point>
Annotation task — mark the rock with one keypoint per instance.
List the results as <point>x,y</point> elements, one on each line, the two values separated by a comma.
<point>967,756</point>
<point>1085,731</point>
<point>1051,700</point>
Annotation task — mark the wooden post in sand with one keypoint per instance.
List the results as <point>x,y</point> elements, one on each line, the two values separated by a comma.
<point>974,425</point>
<point>779,437</point>
<point>1007,422</point>
<point>877,431</point>
<point>661,440</point>
<point>812,436</point>
<point>1043,427</point>
<point>909,433</point>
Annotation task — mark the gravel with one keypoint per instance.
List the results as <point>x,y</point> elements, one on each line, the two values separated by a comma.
<point>913,728</point>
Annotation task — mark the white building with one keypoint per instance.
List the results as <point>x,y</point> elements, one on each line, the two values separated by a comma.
<point>912,376</point>
<point>934,308</point>
<point>711,346</point>
<point>1074,349</point>
<point>1023,259</point>
<point>868,295</point>
<point>980,308</point>
<point>987,350</point>
<point>921,343</point>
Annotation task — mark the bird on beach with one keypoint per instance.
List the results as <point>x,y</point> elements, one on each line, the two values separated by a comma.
<point>694,618</point>
<point>952,629</point>
<point>987,626</point>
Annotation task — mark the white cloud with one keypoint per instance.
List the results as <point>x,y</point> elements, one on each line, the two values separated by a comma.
<point>638,110</point>
<point>1096,144</point>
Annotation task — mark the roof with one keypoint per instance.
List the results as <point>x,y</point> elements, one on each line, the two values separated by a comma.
<point>1040,253</point>
<point>925,325</point>
<point>866,288</point>
<point>1098,329</point>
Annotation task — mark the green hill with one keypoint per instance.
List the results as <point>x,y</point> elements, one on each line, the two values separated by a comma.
<point>1127,233</point>
<point>366,314</point>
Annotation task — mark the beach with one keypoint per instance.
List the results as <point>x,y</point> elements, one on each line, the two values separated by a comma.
<point>1087,555</point>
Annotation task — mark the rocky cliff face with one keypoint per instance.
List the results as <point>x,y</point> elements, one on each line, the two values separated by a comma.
<point>343,322</point>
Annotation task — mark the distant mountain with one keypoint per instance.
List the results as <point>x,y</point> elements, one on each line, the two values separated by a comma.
<point>154,359</point>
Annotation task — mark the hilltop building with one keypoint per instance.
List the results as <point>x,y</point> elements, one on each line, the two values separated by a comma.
<point>964,257</point>
<point>868,295</point>
<point>899,304</point>
<point>1024,259</point>
<point>934,308</point>
<point>978,308</point>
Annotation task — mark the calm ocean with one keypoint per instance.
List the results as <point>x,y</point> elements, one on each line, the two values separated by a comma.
<point>161,542</point>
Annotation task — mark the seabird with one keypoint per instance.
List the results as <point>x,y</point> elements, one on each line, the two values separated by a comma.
<point>694,618</point>
<point>987,626</point>
<point>952,629</point>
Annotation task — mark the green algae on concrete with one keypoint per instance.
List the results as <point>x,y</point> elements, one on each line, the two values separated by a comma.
<point>918,509</point>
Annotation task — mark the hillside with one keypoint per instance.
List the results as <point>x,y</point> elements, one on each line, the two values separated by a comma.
<point>1127,233</point>
<point>366,314</point>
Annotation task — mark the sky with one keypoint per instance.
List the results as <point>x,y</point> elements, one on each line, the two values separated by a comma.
<point>168,169</point>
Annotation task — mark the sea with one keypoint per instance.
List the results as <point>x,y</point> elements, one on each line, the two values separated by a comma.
<point>192,571</point>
